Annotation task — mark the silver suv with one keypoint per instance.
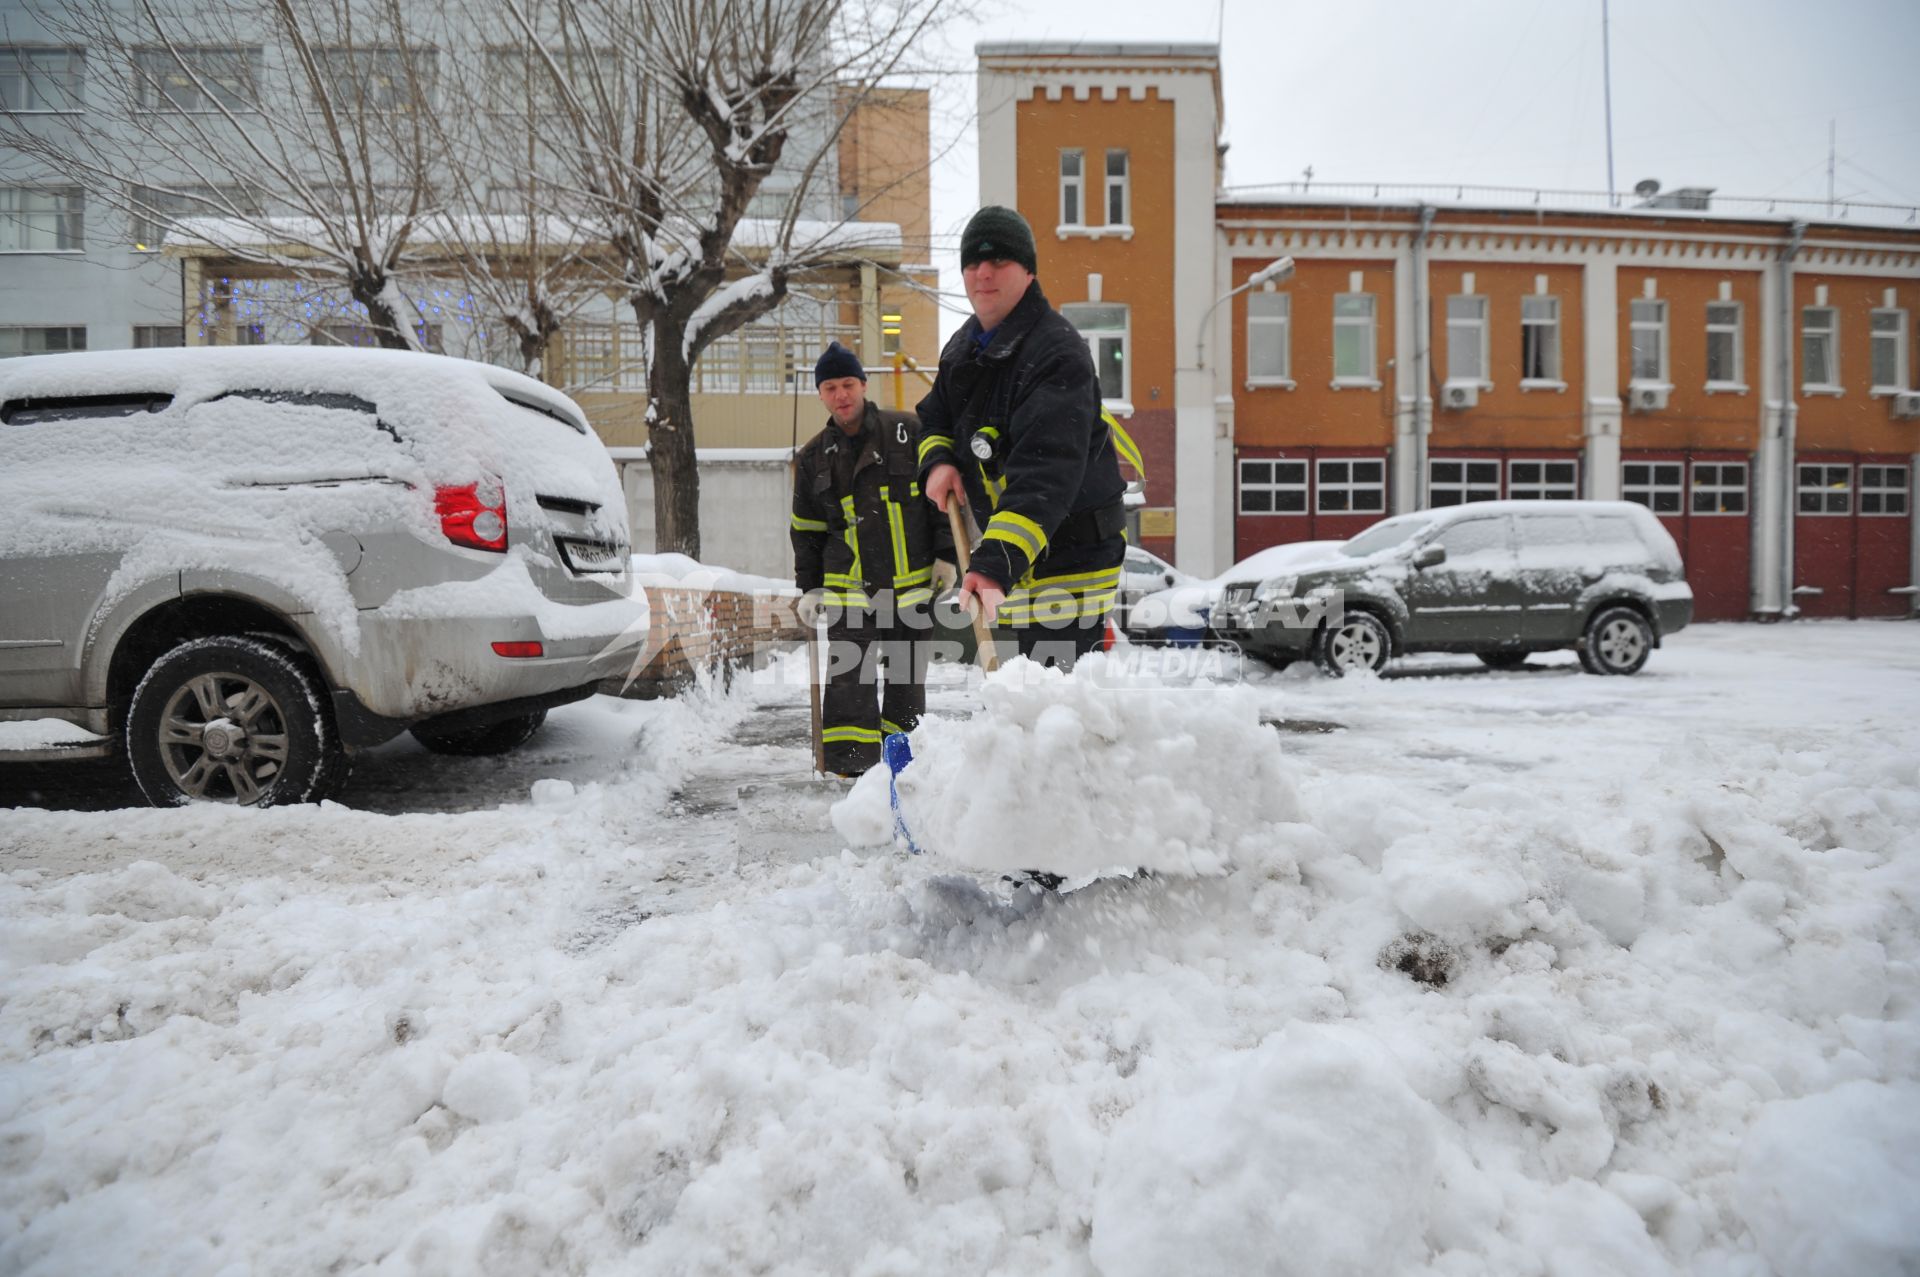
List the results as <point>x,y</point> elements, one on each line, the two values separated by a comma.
<point>242,565</point>
<point>1499,579</point>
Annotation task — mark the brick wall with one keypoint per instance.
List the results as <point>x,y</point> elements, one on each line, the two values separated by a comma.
<point>715,631</point>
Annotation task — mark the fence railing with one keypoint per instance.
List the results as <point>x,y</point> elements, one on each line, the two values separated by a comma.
<point>1548,197</point>
<point>778,360</point>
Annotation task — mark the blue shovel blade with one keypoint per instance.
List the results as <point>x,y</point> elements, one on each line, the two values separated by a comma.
<point>898,752</point>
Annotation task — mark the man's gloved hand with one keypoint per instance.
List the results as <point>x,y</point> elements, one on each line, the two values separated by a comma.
<point>811,607</point>
<point>944,479</point>
<point>986,590</point>
<point>944,575</point>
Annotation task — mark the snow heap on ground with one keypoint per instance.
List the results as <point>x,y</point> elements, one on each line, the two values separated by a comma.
<point>1078,774</point>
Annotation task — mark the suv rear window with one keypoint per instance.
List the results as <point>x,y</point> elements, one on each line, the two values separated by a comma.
<point>546,410</point>
<point>314,399</point>
<point>33,412</point>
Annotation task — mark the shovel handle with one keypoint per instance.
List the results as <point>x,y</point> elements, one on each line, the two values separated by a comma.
<point>987,654</point>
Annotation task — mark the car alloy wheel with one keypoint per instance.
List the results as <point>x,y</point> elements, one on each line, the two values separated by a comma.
<point>1618,642</point>
<point>1359,642</point>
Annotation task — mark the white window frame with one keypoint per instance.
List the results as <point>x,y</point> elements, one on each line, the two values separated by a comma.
<point>1735,333</point>
<point>1882,493</point>
<point>1076,183</point>
<point>65,219</point>
<point>1700,488</point>
<point>1349,485</point>
<point>1476,323</point>
<point>69,329</point>
<point>153,62</point>
<point>1469,489</point>
<point>54,91</point>
<point>1276,328</point>
<point>1651,486</point>
<point>144,334</point>
<point>1118,184</point>
<point>1831,332</point>
<point>1658,328</point>
<point>1543,489</point>
<point>1275,486</point>
<point>382,69</point>
<point>1556,379</point>
<point>1368,325</point>
<point>1823,485</point>
<point>1899,339</point>
<point>1093,336</point>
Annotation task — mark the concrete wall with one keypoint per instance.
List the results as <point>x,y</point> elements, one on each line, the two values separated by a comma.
<point>746,498</point>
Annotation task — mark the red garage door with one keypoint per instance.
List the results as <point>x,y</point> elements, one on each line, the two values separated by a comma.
<point>1305,494</point>
<point>1852,535</point>
<point>1702,499</point>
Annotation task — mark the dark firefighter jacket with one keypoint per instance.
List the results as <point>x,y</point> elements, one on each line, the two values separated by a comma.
<point>878,533</point>
<point>1050,489</point>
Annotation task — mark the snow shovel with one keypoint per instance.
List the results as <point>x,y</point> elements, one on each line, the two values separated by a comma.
<point>898,751</point>
<point>987,654</point>
<point>813,697</point>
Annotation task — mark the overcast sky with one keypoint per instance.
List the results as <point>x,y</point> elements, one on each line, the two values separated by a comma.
<point>1733,94</point>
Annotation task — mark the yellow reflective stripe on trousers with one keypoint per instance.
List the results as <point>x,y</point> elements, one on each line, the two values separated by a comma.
<point>932,442</point>
<point>1123,443</point>
<point>1017,530</point>
<point>808,525</point>
<point>888,726</point>
<point>907,598</point>
<point>851,735</point>
<point>1076,595</point>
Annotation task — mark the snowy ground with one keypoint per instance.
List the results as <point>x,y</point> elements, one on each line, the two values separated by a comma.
<point>1548,974</point>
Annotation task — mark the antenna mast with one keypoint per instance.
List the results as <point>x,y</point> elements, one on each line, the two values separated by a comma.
<point>1606,79</point>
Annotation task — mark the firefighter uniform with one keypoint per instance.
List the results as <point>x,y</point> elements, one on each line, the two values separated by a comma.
<point>865,539</point>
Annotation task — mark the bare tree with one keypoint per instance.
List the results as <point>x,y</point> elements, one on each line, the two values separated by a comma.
<point>296,134</point>
<point>669,141</point>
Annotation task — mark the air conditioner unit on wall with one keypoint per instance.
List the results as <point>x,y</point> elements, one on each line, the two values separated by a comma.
<point>1906,403</point>
<point>1460,394</point>
<point>1647,398</point>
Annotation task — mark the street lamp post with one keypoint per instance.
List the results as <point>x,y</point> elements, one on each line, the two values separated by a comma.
<point>1273,273</point>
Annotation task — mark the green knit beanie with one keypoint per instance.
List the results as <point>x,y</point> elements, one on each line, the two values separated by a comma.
<point>996,232</point>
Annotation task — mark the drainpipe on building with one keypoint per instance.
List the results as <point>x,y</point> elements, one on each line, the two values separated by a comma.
<point>1789,418</point>
<point>1422,354</point>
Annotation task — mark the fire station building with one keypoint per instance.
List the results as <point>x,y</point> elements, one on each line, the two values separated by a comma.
<point>1746,373</point>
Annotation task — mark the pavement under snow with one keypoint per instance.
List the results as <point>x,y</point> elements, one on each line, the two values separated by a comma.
<point>1511,973</point>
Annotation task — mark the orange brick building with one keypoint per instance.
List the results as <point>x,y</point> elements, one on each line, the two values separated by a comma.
<point>1751,378</point>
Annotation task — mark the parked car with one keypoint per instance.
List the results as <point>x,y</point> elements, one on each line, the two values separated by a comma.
<point>1179,614</point>
<point>1500,579</point>
<point>1144,573</point>
<point>244,565</point>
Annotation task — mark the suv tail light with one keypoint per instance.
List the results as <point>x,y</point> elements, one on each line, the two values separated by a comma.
<point>473,514</point>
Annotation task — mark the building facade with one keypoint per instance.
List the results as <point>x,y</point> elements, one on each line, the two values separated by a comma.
<point>1749,377</point>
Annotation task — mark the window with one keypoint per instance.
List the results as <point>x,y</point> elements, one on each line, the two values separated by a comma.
<point>1353,337</point>
<point>1883,490</point>
<point>1462,482</point>
<point>1540,339</point>
<point>1117,207</point>
<point>1105,329</point>
<point>1072,189</point>
<point>1889,350</point>
<point>206,78</point>
<point>41,341</point>
<point>34,412</point>
<point>1269,352</point>
<point>1350,486</point>
<point>154,336</point>
<point>350,334</point>
<point>41,79</point>
<point>383,78</point>
<point>1273,487</point>
<point>42,219</point>
<point>1467,338</point>
<point>1543,480</point>
<point>155,210</point>
<point>1480,538</point>
<point>1653,484</point>
<point>1825,489</point>
<point>1719,487</point>
<point>1818,366</point>
<point>1647,329</point>
<point>1723,345</point>
<point>518,79</point>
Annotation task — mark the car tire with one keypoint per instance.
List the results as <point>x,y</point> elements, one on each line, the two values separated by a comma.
<point>1272,662</point>
<point>474,742</point>
<point>1359,640</point>
<point>272,740</point>
<point>1618,641</point>
<point>1503,660</point>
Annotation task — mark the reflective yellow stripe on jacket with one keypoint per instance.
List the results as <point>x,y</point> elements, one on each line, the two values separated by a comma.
<point>1074,596</point>
<point>1018,531</point>
<point>1123,444</point>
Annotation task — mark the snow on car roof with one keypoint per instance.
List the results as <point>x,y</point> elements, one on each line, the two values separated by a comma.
<point>390,378</point>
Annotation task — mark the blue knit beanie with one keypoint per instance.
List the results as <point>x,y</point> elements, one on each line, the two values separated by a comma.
<point>837,362</point>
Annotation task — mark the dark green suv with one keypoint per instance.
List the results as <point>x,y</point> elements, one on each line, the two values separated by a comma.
<point>1499,579</point>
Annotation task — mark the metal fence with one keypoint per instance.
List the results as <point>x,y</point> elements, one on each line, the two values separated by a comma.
<point>1549,198</point>
<point>758,360</point>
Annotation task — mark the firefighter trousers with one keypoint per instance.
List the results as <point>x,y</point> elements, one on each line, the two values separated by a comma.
<point>864,651</point>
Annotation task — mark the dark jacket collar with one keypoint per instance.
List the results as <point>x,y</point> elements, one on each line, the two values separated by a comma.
<point>1015,327</point>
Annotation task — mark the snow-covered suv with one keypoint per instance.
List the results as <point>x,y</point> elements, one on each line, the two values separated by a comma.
<point>244,564</point>
<point>1499,579</point>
